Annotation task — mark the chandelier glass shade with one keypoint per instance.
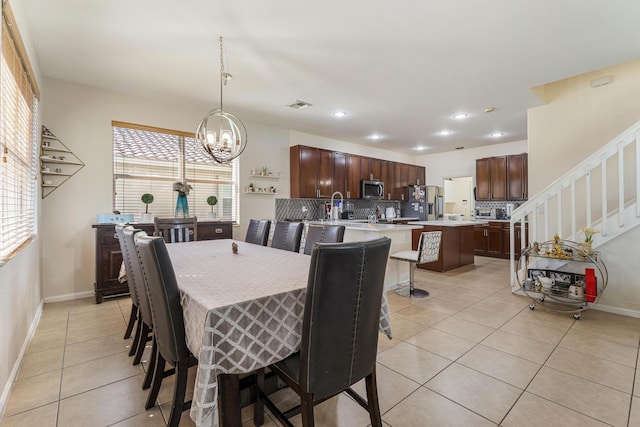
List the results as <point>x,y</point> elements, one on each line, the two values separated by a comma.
<point>221,134</point>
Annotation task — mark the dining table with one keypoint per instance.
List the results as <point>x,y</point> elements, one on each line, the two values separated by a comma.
<point>242,311</point>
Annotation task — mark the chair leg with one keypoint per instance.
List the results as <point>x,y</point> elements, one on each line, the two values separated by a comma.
<point>136,338</point>
<point>306,408</point>
<point>158,374</point>
<point>144,337</point>
<point>372,399</point>
<point>179,389</point>
<point>151,366</point>
<point>415,292</point>
<point>132,320</point>
<point>258,407</point>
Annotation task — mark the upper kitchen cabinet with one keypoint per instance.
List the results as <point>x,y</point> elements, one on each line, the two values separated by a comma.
<point>416,175</point>
<point>353,177</point>
<point>491,178</point>
<point>375,169</point>
<point>517,172</point>
<point>311,172</point>
<point>340,172</point>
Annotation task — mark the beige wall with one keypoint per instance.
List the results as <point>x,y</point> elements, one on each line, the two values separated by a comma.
<point>577,121</point>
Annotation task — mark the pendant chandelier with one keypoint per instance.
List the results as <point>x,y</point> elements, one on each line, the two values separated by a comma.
<point>221,134</point>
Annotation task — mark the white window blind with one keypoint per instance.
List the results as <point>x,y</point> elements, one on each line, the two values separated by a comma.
<point>150,160</point>
<point>18,143</point>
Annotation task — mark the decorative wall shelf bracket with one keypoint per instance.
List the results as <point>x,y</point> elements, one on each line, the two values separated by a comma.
<point>57,162</point>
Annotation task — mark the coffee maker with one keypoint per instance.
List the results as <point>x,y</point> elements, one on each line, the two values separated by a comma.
<point>348,212</point>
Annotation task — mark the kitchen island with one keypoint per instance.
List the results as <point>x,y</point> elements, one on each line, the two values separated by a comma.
<point>397,273</point>
<point>457,245</point>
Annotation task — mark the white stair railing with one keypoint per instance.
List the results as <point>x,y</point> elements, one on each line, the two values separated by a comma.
<point>602,192</point>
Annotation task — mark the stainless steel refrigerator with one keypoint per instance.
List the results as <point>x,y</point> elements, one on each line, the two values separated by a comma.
<point>424,202</point>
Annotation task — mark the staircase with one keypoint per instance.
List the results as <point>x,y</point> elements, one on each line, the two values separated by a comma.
<point>602,192</point>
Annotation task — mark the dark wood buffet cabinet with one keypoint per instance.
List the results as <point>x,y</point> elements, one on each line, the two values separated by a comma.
<point>109,256</point>
<point>317,173</point>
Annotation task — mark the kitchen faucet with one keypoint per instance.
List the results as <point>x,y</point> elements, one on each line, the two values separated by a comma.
<point>332,207</point>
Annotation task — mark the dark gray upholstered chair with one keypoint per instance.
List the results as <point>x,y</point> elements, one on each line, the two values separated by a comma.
<point>168,321</point>
<point>145,326</point>
<point>339,331</point>
<point>177,230</point>
<point>323,234</point>
<point>258,232</point>
<point>287,236</point>
<point>134,315</point>
<point>428,251</point>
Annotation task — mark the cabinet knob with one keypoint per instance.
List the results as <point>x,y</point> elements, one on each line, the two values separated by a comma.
<point>218,230</point>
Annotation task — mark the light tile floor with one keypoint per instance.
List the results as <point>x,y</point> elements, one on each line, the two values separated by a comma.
<point>472,354</point>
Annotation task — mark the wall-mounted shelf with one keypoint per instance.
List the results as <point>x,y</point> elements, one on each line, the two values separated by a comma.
<point>266,193</point>
<point>57,162</point>
<point>265,176</point>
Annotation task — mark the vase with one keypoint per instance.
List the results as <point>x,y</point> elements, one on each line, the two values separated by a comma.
<point>182,206</point>
<point>586,247</point>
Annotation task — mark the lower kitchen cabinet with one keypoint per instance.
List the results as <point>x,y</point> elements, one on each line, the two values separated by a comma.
<point>456,247</point>
<point>494,239</point>
<point>109,256</point>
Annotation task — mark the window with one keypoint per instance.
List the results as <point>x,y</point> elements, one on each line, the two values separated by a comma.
<point>18,142</point>
<point>151,160</point>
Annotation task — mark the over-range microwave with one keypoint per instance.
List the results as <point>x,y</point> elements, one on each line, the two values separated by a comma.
<point>372,190</point>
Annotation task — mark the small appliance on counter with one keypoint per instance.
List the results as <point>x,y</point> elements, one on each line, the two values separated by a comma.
<point>348,213</point>
<point>485,213</point>
<point>390,213</point>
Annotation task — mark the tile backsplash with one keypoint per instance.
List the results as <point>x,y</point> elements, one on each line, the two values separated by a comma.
<point>313,209</point>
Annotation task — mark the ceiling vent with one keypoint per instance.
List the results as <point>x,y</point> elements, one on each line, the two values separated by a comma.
<point>299,105</point>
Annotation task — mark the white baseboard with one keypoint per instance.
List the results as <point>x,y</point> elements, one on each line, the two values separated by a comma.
<point>616,310</point>
<point>4,398</point>
<point>68,297</point>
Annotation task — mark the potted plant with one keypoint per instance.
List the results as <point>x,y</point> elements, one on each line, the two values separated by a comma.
<point>212,201</point>
<point>147,199</point>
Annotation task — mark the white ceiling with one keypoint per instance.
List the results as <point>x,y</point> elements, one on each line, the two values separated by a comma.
<point>399,68</point>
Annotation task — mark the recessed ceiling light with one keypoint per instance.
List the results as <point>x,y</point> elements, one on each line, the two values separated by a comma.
<point>339,114</point>
<point>376,136</point>
<point>445,132</point>
<point>460,116</point>
<point>420,148</point>
<point>490,109</point>
<point>496,134</point>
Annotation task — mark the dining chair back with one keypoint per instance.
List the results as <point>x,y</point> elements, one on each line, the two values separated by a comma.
<point>134,277</point>
<point>133,293</point>
<point>428,251</point>
<point>339,330</point>
<point>258,232</point>
<point>323,234</point>
<point>287,236</point>
<point>177,230</point>
<point>168,320</point>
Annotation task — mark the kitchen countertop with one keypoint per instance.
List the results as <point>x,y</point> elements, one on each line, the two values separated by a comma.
<point>355,225</point>
<point>444,223</point>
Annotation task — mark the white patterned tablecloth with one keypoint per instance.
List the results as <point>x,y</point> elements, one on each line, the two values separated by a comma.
<point>242,311</point>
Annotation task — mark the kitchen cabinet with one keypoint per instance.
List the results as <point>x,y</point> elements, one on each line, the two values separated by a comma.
<point>311,172</point>
<point>456,247</point>
<point>517,174</point>
<point>353,177</point>
<point>109,256</point>
<point>493,239</point>
<point>340,173</point>
<point>491,178</point>
<point>317,173</point>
